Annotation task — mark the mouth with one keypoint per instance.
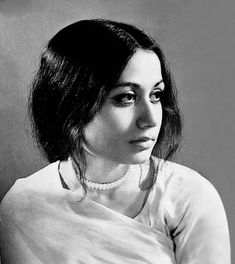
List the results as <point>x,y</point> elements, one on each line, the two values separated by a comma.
<point>142,143</point>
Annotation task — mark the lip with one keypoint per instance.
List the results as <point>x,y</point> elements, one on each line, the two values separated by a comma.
<point>141,139</point>
<point>142,143</point>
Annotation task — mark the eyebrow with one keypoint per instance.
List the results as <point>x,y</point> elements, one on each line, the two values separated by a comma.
<point>132,84</point>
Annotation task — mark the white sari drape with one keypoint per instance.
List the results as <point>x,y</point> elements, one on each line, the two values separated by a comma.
<point>183,222</point>
<point>61,230</point>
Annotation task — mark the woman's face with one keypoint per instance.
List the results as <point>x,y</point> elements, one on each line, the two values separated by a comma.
<point>127,127</point>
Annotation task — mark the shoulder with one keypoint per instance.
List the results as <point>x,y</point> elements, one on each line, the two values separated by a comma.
<point>183,189</point>
<point>42,180</point>
<point>179,179</point>
<point>186,194</point>
<point>25,191</point>
<point>192,214</point>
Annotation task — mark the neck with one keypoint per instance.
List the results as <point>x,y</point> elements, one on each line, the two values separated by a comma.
<point>101,170</point>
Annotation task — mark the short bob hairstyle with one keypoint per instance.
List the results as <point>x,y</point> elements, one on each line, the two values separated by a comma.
<point>78,68</point>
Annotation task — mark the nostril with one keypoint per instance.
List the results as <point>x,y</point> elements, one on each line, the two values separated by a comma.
<point>149,116</point>
<point>144,122</point>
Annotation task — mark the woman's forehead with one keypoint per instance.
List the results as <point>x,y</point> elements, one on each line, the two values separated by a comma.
<point>143,66</point>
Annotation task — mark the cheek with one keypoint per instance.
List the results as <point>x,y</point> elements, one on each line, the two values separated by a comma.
<point>156,115</point>
<point>160,114</point>
<point>110,126</point>
<point>94,132</point>
<point>120,121</point>
<point>117,121</point>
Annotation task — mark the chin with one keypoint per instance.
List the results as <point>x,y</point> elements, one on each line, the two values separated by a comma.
<point>140,157</point>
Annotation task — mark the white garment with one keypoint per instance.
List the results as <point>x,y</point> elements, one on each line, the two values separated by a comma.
<point>183,221</point>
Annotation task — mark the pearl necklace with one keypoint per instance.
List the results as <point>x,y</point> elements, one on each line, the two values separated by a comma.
<point>109,185</point>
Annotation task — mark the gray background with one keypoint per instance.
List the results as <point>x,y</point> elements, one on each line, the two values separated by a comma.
<point>198,37</point>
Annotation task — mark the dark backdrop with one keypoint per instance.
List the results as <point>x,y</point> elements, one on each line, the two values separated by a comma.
<point>199,40</point>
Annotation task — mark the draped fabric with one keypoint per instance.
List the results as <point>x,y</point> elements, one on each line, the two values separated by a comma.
<point>41,222</point>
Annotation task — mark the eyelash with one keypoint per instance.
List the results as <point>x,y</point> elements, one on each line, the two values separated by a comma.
<point>123,100</point>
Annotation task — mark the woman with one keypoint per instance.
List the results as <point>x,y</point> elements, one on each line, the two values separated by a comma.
<point>103,103</point>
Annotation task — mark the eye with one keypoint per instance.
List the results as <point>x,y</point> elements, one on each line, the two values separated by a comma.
<point>156,96</point>
<point>124,99</point>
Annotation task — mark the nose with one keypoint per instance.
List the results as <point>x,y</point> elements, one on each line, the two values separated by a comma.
<point>149,115</point>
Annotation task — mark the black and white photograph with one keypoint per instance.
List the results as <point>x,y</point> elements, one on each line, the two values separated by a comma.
<point>117,126</point>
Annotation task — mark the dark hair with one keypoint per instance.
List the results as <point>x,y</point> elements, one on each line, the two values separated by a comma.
<point>78,68</point>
